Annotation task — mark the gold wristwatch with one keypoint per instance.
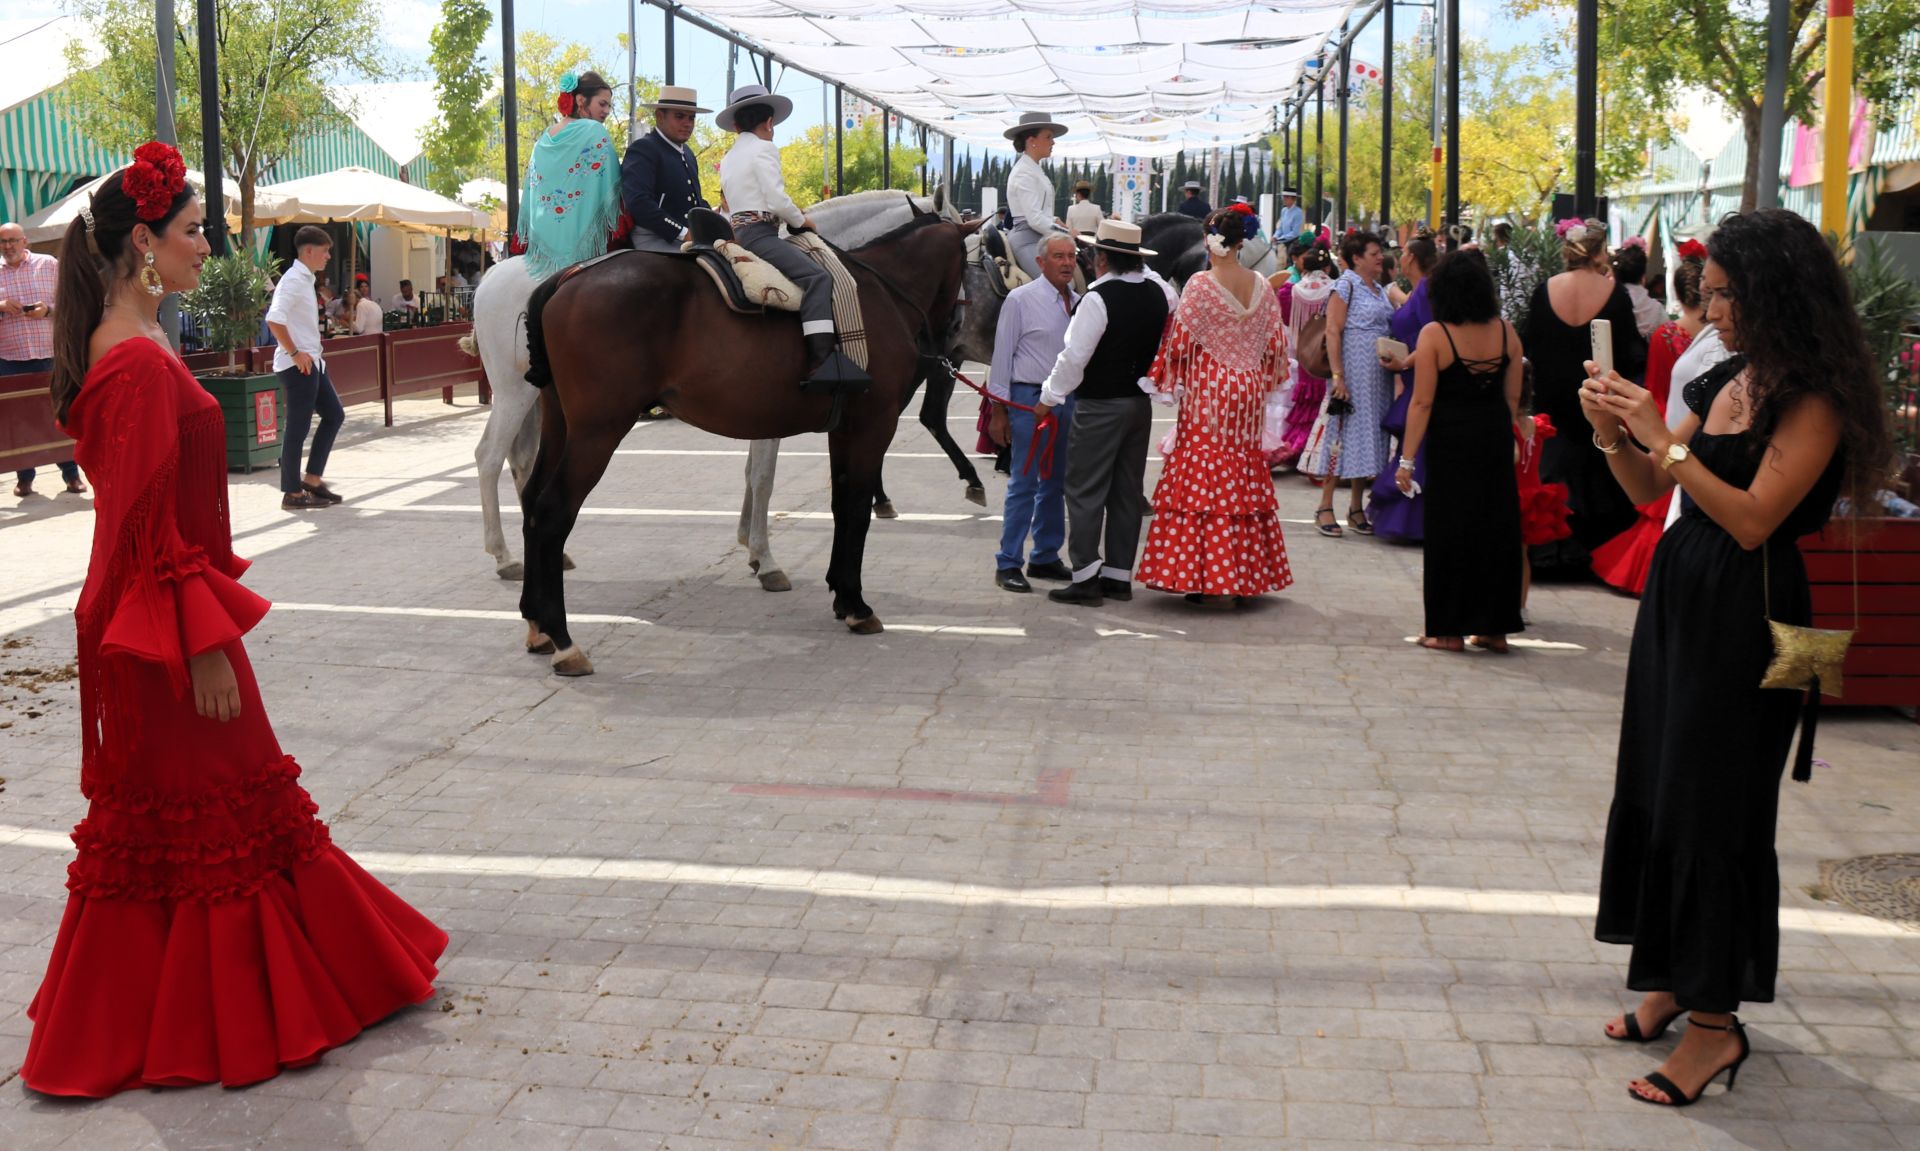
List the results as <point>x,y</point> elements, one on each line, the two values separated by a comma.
<point>1676,452</point>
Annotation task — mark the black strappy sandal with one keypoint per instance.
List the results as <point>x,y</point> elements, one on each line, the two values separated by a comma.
<point>1679,1098</point>
<point>1632,1026</point>
<point>1359,522</point>
<point>1331,527</point>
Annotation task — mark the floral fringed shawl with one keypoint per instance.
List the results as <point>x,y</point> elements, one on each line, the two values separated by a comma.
<point>571,199</point>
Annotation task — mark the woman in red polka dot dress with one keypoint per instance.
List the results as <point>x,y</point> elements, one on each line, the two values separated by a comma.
<point>1216,526</point>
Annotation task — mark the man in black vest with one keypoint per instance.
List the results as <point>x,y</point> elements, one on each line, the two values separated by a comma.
<point>1191,203</point>
<point>659,178</point>
<point>1110,345</point>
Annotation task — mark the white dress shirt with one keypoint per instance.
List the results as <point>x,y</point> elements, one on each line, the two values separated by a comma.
<point>368,319</point>
<point>1083,336</point>
<point>1030,195</point>
<point>750,180</point>
<point>294,308</point>
<point>1648,313</point>
<point>1029,335</point>
<point>1704,352</point>
<point>1084,216</point>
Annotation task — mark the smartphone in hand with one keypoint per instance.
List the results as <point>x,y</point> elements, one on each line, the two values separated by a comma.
<point>1602,331</point>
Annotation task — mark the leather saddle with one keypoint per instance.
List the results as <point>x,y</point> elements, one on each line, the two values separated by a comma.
<point>988,247</point>
<point>748,284</point>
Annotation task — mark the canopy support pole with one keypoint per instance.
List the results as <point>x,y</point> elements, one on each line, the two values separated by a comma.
<point>1340,192</point>
<point>1773,104</point>
<point>886,151</point>
<point>633,48</point>
<point>212,163</point>
<point>1320,143</point>
<point>666,46</point>
<point>1386,116</point>
<point>1586,74</point>
<point>839,139</point>
<point>165,131</point>
<point>510,109</point>
<point>1453,113</point>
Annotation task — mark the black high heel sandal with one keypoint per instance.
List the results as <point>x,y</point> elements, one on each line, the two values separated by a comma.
<point>1679,1098</point>
<point>1632,1026</point>
<point>1329,527</point>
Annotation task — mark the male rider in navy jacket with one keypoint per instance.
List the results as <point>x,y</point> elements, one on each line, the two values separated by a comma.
<point>659,178</point>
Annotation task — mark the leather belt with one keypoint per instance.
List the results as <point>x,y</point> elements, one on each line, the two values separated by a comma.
<point>742,219</point>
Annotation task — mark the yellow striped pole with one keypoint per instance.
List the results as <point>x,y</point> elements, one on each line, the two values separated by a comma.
<point>1436,186</point>
<point>1836,131</point>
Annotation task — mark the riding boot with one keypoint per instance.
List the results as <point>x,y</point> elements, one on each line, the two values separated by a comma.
<point>829,371</point>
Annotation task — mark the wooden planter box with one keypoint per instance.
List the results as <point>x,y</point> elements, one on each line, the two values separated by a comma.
<point>1883,665</point>
<point>254,407</point>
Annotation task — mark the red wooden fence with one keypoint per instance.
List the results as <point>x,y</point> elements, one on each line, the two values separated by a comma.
<point>1883,665</point>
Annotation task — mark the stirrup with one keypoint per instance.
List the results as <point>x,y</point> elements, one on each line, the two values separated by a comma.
<point>836,375</point>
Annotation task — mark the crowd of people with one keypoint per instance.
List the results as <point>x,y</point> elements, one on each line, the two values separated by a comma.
<point>1419,393</point>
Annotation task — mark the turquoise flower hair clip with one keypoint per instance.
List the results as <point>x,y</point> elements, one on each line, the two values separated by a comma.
<point>569,81</point>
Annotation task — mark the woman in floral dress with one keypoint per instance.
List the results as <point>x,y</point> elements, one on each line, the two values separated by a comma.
<point>1216,526</point>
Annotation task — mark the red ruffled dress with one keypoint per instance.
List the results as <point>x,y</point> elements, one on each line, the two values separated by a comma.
<point>1624,560</point>
<point>1543,507</point>
<point>212,931</point>
<point>1216,523</point>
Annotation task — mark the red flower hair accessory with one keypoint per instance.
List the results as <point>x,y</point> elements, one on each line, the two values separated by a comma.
<point>1693,250</point>
<point>566,103</point>
<point>155,177</point>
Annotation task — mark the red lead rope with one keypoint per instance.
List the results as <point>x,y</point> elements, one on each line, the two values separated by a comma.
<point>1045,428</point>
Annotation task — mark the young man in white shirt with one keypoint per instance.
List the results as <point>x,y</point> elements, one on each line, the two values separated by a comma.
<point>756,196</point>
<point>294,320</point>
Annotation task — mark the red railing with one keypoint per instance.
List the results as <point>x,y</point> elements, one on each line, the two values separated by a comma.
<point>364,369</point>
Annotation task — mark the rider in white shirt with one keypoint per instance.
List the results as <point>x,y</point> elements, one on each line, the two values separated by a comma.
<point>1029,191</point>
<point>1083,215</point>
<point>755,192</point>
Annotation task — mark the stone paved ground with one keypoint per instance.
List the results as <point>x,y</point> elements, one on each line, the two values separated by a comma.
<point>1135,879</point>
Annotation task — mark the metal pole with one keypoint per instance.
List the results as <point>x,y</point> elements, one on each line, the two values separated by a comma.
<point>510,108</point>
<point>165,130</point>
<point>1436,174</point>
<point>1586,94</point>
<point>839,139</point>
<point>1319,143</point>
<point>1346,68</point>
<point>1286,150</point>
<point>1300,144</point>
<point>212,161</point>
<point>1453,111</point>
<point>666,45</point>
<point>886,150</point>
<point>633,69</point>
<point>733,64</point>
<point>1773,104</point>
<point>1386,115</point>
<point>1836,119</point>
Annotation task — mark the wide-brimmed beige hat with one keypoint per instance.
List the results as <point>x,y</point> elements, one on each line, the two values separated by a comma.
<point>1117,236</point>
<point>752,94</point>
<point>678,99</point>
<point>1032,121</point>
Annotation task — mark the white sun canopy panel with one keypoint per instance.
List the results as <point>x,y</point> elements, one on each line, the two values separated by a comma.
<point>1127,78</point>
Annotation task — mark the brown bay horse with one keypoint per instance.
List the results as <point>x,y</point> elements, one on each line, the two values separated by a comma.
<point>622,336</point>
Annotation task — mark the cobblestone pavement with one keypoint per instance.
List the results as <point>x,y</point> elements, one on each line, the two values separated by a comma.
<point>1012,875</point>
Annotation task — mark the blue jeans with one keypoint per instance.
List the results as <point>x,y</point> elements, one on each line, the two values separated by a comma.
<point>1034,504</point>
<point>69,471</point>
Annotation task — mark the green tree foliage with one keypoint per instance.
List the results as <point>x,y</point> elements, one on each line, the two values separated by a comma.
<point>1658,50</point>
<point>807,164</point>
<point>457,140</point>
<point>274,56</point>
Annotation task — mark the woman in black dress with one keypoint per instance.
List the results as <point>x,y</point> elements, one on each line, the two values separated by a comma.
<point>1559,342</point>
<point>1466,401</point>
<point>1775,434</point>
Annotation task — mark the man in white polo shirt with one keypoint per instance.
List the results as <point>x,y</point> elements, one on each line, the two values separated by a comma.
<point>294,320</point>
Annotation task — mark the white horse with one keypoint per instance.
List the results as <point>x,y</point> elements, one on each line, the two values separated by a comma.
<point>512,434</point>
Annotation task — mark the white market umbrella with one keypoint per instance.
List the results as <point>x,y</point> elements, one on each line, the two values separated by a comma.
<point>365,196</point>
<point>52,221</point>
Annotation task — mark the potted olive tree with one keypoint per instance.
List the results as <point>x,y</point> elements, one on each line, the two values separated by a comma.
<point>229,302</point>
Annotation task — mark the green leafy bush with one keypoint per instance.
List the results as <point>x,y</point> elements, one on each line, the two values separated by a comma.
<point>230,300</point>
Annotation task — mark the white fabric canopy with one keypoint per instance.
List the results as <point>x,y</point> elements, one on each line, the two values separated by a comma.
<point>1127,78</point>
<point>367,196</point>
<point>52,221</point>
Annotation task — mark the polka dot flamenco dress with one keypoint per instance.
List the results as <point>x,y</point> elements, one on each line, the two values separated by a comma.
<point>213,932</point>
<point>1216,524</point>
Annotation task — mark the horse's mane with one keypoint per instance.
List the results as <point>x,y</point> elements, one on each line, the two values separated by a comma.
<point>913,225</point>
<point>855,221</point>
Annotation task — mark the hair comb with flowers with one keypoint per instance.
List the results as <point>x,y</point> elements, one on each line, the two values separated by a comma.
<point>568,84</point>
<point>153,179</point>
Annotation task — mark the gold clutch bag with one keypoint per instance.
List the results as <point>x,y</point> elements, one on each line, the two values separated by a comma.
<point>1806,659</point>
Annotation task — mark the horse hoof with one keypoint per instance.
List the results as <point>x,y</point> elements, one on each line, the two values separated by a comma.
<point>572,662</point>
<point>566,562</point>
<point>775,581</point>
<point>542,646</point>
<point>977,494</point>
<point>884,511</point>
<point>511,570</point>
<point>867,626</point>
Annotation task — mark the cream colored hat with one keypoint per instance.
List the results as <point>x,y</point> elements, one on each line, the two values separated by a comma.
<point>1118,236</point>
<point>682,99</point>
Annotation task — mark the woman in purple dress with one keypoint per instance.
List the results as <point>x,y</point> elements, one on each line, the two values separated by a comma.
<point>1397,516</point>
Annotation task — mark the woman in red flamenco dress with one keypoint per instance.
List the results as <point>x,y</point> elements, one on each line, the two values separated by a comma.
<point>212,930</point>
<point>1216,527</point>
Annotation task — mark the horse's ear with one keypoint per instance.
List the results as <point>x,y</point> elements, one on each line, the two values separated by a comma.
<point>913,207</point>
<point>971,226</point>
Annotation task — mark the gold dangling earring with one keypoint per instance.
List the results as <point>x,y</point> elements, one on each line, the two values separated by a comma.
<point>150,278</point>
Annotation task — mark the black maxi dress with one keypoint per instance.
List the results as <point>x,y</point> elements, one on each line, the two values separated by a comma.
<point>1689,878</point>
<point>1558,351</point>
<point>1472,581</point>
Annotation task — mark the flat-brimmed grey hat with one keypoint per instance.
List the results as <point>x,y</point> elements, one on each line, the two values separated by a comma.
<point>678,99</point>
<point>1117,236</point>
<point>749,95</point>
<point>1033,121</point>
<point>1190,186</point>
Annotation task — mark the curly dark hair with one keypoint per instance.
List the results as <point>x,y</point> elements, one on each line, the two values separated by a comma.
<point>1795,323</point>
<point>1230,225</point>
<point>1630,264</point>
<point>1355,245</point>
<point>1461,290</point>
<point>1316,259</point>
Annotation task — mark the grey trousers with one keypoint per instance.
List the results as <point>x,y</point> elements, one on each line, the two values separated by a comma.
<point>815,282</point>
<point>644,240</point>
<point>1106,468</point>
<point>1023,244</point>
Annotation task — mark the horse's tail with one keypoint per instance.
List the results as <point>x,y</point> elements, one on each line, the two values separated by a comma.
<point>469,345</point>
<point>539,370</point>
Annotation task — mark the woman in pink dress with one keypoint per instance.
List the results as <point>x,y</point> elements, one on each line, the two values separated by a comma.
<point>1216,526</point>
<point>1300,301</point>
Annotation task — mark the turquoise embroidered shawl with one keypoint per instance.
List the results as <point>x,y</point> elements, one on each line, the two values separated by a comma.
<point>571,198</point>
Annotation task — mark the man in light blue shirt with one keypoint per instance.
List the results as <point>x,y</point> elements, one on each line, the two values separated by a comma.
<point>1031,331</point>
<point>1292,217</point>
